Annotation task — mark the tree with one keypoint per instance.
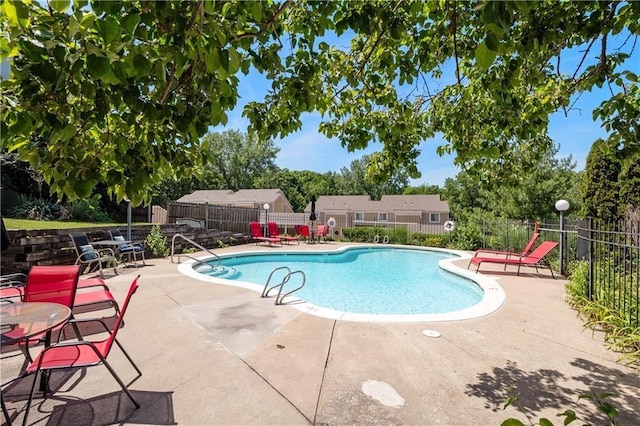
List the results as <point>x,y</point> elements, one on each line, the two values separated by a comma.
<point>535,194</point>
<point>422,189</point>
<point>298,186</point>
<point>630,188</point>
<point>532,197</point>
<point>601,186</point>
<point>357,181</point>
<point>122,91</point>
<point>236,159</point>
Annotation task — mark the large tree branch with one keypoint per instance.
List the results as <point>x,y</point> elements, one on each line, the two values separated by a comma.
<point>198,10</point>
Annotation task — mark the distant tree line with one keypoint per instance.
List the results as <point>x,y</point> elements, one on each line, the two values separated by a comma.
<point>607,189</point>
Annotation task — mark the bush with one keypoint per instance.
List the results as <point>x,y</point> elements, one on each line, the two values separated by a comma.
<point>40,209</point>
<point>36,209</point>
<point>361,234</point>
<point>88,210</point>
<point>156,243</point>
<point>467,237</point>
<point>578,286</point>
<point>428,240</point>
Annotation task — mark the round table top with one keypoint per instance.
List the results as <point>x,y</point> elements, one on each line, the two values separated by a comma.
<point>19,321</point>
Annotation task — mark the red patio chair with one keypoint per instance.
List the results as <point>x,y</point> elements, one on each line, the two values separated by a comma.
<point>73,354</point>
<point>524,252</point>
<point>305,232</point>
<point>274,232</point>
<point>256,234</point>
<point>59,284</point>
<point>321,232</point>
<point>536,258</point>
<point>12,286</point>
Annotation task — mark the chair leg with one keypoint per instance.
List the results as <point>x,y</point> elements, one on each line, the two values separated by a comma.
<point>121,383</point>
<point>126,354</point>
<point>33,389</point>
<point>5,412</point>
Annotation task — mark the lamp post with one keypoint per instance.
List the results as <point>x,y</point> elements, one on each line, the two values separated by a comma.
<point>265,206</point>
<point>562,206</point>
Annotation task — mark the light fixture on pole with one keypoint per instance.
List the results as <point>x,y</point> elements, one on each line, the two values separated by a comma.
<point>562,206</point>
<point>265,206</point>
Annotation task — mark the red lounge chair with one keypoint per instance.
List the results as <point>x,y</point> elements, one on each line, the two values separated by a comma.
<point>321,232</point>
<point>275,233</point>
<point>304,232</point>
<point>256,234</point>
<point>536,258</point>
<point>524,252</point>
<point>83,353</point>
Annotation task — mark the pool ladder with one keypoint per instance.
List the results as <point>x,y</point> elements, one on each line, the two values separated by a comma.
<point>280,297</point>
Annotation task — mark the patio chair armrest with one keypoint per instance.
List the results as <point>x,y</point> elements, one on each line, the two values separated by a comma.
<point>18,276</point>
<point>76,321</point>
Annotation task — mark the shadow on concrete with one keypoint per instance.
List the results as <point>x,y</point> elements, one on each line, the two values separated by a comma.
<point>113,408</point>
<point>549,389</point>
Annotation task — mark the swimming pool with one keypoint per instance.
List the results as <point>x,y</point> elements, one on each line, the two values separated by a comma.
<point>365,282</point>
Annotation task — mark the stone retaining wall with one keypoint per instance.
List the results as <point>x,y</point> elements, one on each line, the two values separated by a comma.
<point>54,246</point>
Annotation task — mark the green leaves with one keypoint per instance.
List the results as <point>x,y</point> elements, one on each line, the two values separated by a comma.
<point>158,74</point>
<point>16,12</point>
<point>484,56</point>
<point>98,66</point>
<point>61,6</point>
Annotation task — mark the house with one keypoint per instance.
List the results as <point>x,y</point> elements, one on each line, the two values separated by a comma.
<point>275,198</point>
<point>418,213</point>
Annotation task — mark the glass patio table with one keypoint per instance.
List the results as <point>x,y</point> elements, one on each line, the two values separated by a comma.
<point>20,321</point>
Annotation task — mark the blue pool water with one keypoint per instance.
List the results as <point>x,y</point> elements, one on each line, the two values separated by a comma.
<point>371,280</point>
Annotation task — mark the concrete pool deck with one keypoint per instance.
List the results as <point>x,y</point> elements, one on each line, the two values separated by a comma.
<point>220,355</point>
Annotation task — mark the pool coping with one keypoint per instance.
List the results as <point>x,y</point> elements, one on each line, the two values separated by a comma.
<point>493,299</point>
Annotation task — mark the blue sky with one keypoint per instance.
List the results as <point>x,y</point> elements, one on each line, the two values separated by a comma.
<point>308,149</point>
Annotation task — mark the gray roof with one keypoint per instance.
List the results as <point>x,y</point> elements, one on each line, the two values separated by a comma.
<point>388,203</point>
<point>227,196</point>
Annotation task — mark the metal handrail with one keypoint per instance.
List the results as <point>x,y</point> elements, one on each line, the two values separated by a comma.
<point>279,298</point>
<point>265,291</point>
<point>189,240</point>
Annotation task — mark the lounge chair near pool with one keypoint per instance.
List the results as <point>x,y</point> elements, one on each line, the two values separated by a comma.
<point>536,258</point>
<point>256,234</point>
<point>274,232</point>
<point>303,232</point>
<point>321,232</point>
<point>507,254</point>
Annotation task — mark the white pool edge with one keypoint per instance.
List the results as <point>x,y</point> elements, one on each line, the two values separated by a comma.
<point>493,299</point>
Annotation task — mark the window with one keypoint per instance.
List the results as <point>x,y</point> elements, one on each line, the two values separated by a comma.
<point>358,217</point>
<point>434,217</point>
<point>382,217</point>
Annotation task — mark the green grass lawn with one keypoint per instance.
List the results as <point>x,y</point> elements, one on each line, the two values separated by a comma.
<point>25,224</point>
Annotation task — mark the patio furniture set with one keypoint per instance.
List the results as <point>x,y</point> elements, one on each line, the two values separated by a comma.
<point>112,250</point>
<point>47,305</point>
<point>273,236</point>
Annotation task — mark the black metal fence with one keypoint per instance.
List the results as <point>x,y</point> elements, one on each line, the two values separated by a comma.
<point>612,252</point>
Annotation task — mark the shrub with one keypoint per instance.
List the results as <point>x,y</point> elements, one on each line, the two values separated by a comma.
<point>578,286</point>
<point>156,243</point>
<point>428,240</point>
<point>35,209</point>
<point>88,210</point>
<point>360,234</point>
<point>467,237</point>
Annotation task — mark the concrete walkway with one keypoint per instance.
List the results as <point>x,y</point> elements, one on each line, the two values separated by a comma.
<point>220,355</point>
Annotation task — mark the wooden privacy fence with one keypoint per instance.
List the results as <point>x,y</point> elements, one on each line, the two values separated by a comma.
<point>224,218</point>
<point>236,219</point>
